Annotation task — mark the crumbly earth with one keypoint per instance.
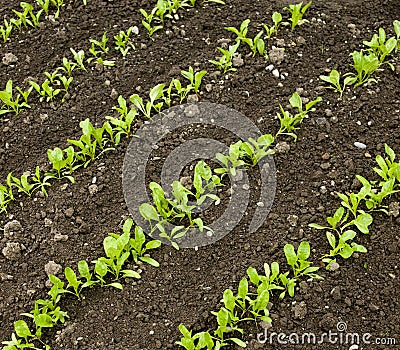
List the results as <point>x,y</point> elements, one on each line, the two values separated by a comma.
<point>364,292</point>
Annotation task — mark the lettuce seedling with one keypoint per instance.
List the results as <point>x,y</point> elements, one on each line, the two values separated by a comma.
<point>79,58</point>
<point>123,43</point>
<point>334,80</point>
<point>204,182</point>
<point>6,196</point>
<point>101,44</point>
<point>68,66</point>
<point>6,30</point>
<point>46,91</point>
<point>365,65</point>
<point>58,4</point>
<point>232,161</point>
<point>297,11</point>
<point>225,63</point>
<point>149,17</point>
<point>122,126</point>
<point>11,103</point>
<point>63,162</point>
<point>194,78</point>
<point>380,47</point>
<point>270,31</point>
<point>137,244</point>
<point>241,33</point>
<point>387,167</point>
<point>156,93</point>
<point>44,4</point>
<point>22,184</point>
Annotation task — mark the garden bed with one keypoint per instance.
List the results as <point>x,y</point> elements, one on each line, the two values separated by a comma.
<point>70,224</point>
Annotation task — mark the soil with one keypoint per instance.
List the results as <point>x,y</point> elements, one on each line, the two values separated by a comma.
<point>364,292</point>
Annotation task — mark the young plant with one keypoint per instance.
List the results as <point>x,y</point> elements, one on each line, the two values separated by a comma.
<point>270,31</point>
<point>138,248</point>
<point>6,195</point>
<point>288,123</point>
<point>194,78</point>
<point>149,17</point>
<point>156,93</point>
<point>22,184</point>
<point>241,33</point>
<point>46,91</point>
<point>232,161</point>
<point>297,11</point>
<point>44,4</point>
<point>334,79</point>
<point>11,103</point>
<point>381,47</point>
<point>365,65</point>
<point>79,57</point>
<point>58,4</point>
<point>122,125</point>
<point>42,183</point>
<point>6,30</point>
<point>101,44</point>
<point>396,27</point>
<point>63,161</point>
<point>68,66</point>
<point>123,43</point>
<point>225,63</point>
<point>204,183</point>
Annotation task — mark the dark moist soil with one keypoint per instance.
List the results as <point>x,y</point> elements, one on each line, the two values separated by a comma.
<point>363,292</point>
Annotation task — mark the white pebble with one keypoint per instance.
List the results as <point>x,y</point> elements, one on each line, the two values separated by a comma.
<point>275,73</point>
<point>360,145</point>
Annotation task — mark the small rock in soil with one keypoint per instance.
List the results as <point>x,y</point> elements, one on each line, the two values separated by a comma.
<point>360,145</point>
<point>334,266</point>
<point>193,98</point>
<point>52,268</point>
<point>335,292</point>
<point>209,87</point>
<point>276,55</point>
<point>394,209</point>
<point>292,219</point>
<point>12,251</point>
<point>12,228</point>
<point>9,58</point>
<point>300,310</point>
<point>282,147</point>
<point>114,94</point>
<point>237,61</point>
<point>5,277</point>
<point>69,212</point>
<point>275,73</point>
<point>93,189</point>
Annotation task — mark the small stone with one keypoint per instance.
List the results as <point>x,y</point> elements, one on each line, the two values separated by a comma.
<point>209,87</point>
<point>334,266</point>
<point>328,113</point>
<point>360,145</point>
<point>143,46</point>
<point>292,220</point>
<point>275,73</point>
<point>158,344</point>
<point>60,238</point>
<point>325,156</point>
<point>93,189</point>
<point>394,209</point>
<point>193,98</point>
<point>373,307</point>
<point>335,292</point>
<point>135,30</point>
<point>323,189</point>
<point>47,222</point>
<point>282,147</point>
<point>5,277</point>
<point>300,310</point>
<point>69,212</point>
<point>52,268</point>
<point>246,187</point>
<point>12,251</point>
<point>320,121</point>
<point>276,56</point>
<point>12,228</point>
<point>186,181</point>
<point>114,94</point>
<point>269,67</point>
<point>280,42</point>
<point>325,166</point>
<point>300,40</point>
<point>9,58</point>
<point>260,204</point>
<point>237,61</point>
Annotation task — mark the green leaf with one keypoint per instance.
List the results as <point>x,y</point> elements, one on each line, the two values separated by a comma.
<point>362,222</point>
<point>223,317</point>
<point>148,212</point>
<point>71,277</point>
<point>290,254</point>
<point>22,329</point>
<point>111,247</point>
<point>262,300</point>
<point>296,102</point>
<point>348,235</point>
<point>243,288</point>
<point>238,342</point>
<point>229,299</point>
<point>130,274</point>
<point>253,275</point>
<point>116,285</point>
<point>303,252</point>
<point>153,244</point>
<point>331,239</point>
<point>83,269</point>
<point>346,252</point>
<point>317,226</point>
<point>150,261</point>
<point>43,320</point>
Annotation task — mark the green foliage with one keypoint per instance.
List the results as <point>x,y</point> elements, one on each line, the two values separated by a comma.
<point>11,102</point>
<point>365,65</point>
<point>123,43</point>
<point>225,63</point>
<point>334,80</point>
<point>272,30</point>
<point>297,11</point>
<point>103,50</point>
<point>6,30</point>
<point>195,79</point>
<point>63,161</point>
<point>380,47</point>
<point>245,154</point>
<point>146,108</point>
<point>288,122</point>
<point>79,58</point>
